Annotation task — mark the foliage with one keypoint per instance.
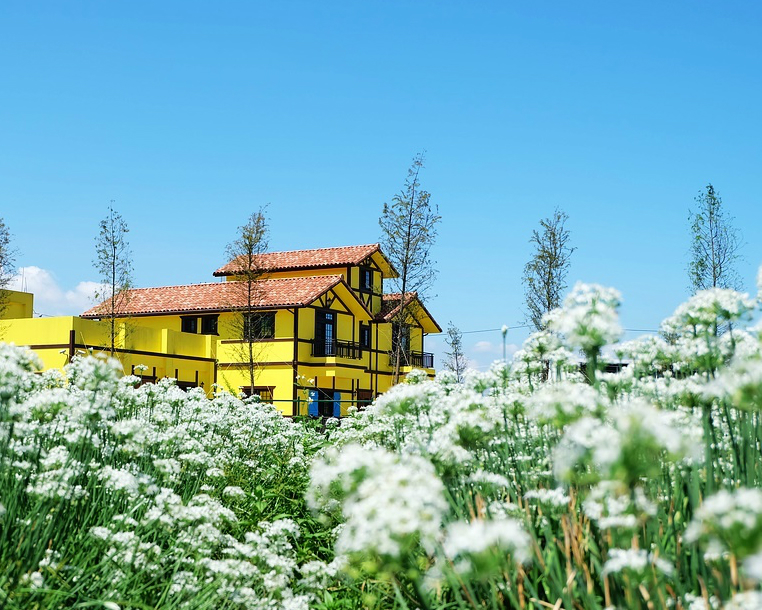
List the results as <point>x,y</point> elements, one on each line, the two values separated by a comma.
<point>113,262</point>
<point>544,276</point>
<point>408,232</point>
<point>252,240</point>
<point>120,496</point>
<point>715,244</point>
<point>635,489</point>
<point>456,360</point>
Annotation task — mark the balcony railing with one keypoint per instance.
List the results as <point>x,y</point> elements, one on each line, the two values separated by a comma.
<point>421,360</point>
<point>341,349</point>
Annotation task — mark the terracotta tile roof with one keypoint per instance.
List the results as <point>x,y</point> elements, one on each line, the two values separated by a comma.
<point>305,259</point>
<point>221,296</point>
<point>390,305</point>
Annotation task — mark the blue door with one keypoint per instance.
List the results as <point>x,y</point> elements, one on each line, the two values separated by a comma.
<point>312,405</point>
<point>337,404</point>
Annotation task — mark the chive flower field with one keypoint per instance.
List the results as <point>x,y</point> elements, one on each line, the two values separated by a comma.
<point>536,484</point>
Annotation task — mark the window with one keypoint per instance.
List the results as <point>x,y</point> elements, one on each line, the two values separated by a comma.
<point>365,336</point>
<point>264,393</point>
<point>259,326</point>
<point>366,279</point>
<point>327,400</point>
<point>209,325</point>
<point>189,324</point>
<point>404,340</point>
<point>364,398</point>
<point>325,333</point>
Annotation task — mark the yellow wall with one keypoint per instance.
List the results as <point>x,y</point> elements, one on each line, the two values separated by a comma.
<point>158,343</point>
<point>276,358</point>
<point>51,340</point>
<point>158,322</point>
<point>228,324</point>
<point>19,305</point>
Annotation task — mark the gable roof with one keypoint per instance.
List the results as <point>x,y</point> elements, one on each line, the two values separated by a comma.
<point>390,306</point>
<point>220,296</point>
<point>319,258</point>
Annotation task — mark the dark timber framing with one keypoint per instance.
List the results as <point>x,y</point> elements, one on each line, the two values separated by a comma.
<point>352,368</point>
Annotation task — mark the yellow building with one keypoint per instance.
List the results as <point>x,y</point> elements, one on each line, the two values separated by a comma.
<point>322,331</point>
<point>164,352</point>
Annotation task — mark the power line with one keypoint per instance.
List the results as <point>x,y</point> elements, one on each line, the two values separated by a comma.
<point>42,315</point>
<point>499,330</point>
<point>492,330</point>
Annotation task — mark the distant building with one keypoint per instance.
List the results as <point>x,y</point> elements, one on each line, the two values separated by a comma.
<point>324,331</point>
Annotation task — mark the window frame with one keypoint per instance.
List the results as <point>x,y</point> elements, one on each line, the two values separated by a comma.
<point>366,286</point>
<point>406,338</point>
<point>213,319</point>
<point>255,319</point>
<point>249,391</point>
<point>363,398</point>
<point>325,318</point>
<point>189,320</point>
<point>365,328</point>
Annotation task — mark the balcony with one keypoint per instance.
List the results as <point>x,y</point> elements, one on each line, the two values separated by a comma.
<point>419,360</point>
<point>341,349</point>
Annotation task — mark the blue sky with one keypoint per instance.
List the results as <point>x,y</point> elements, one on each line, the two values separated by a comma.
<point>190,115</point>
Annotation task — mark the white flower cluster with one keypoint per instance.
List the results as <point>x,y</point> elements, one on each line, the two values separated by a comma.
<point>426,419</point>
<point>459,484</point>
<point>747,600</point>
<point>612,505</point>
<point>564,402</point>
<point>484,477</point>
<point>588,319</point>
<point>145,470</point>
<point>636,560</point>
<point>731,521</point>
<point>17,366</point>
<point>388,503</point>
<point>707,310</point>
<point>551,497</point>
<point>634,429</point>
<point>471,543</point>
<point>626,445</point>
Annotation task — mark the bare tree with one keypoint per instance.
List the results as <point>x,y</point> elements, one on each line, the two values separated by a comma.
<point>544,276</point>
<point>715,244</point>
<point>7,267</point>
<point>113,262</point>
<point>456,360</point>
<point>251,325</point>
<point>408,231</point>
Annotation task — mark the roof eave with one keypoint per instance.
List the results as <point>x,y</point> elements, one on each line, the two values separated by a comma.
<point>392,272</point>
<point>181,312</point>
<point>389,316</point>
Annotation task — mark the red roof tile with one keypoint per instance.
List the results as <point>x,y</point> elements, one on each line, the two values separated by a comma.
<point>304,259</point>
<point>390,305</point>
<point>221,296</point>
